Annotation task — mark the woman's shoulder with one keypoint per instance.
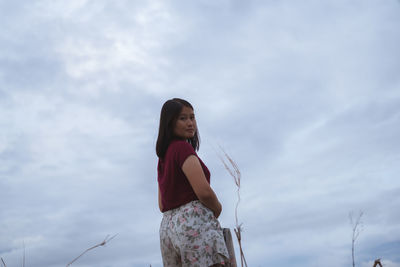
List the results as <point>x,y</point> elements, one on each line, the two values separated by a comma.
<point>181,145</point>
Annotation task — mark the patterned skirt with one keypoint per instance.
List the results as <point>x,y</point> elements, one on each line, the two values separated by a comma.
<point>190,235</point>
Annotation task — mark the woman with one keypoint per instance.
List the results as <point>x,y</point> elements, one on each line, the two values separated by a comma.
<point>190,234</point>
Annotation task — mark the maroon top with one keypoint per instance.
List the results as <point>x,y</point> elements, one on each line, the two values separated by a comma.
<point>175,188</point>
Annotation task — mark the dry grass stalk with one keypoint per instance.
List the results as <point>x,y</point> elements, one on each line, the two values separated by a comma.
<point>105,241</point>
<point>235,173</point>
<point>23,258</point>
<point>356,225</point>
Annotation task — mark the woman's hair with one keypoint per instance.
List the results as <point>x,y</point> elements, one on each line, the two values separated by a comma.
<point>168,117</point>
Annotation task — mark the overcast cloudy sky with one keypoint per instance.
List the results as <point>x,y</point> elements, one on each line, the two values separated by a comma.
<point>304,95</point>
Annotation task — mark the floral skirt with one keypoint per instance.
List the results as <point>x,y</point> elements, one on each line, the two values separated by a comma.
<point>190,235</point>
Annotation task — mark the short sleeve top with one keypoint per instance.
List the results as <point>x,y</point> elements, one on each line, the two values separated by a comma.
<point>175,188</point>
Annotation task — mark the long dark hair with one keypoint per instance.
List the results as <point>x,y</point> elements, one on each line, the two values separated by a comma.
<point>168,117</point>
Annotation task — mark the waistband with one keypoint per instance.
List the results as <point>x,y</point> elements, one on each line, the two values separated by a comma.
<point>182,207</point>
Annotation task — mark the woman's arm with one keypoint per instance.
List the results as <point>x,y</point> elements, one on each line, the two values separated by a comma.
<point>159,200</point>
<point>194,173</point>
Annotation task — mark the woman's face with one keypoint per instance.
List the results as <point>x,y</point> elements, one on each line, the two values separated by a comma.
<point>185,126</point>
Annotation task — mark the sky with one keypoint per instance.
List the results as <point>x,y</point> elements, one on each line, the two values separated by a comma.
<point>303,95</point>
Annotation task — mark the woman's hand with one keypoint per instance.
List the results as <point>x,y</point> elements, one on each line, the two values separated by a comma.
<point>218,211</point>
